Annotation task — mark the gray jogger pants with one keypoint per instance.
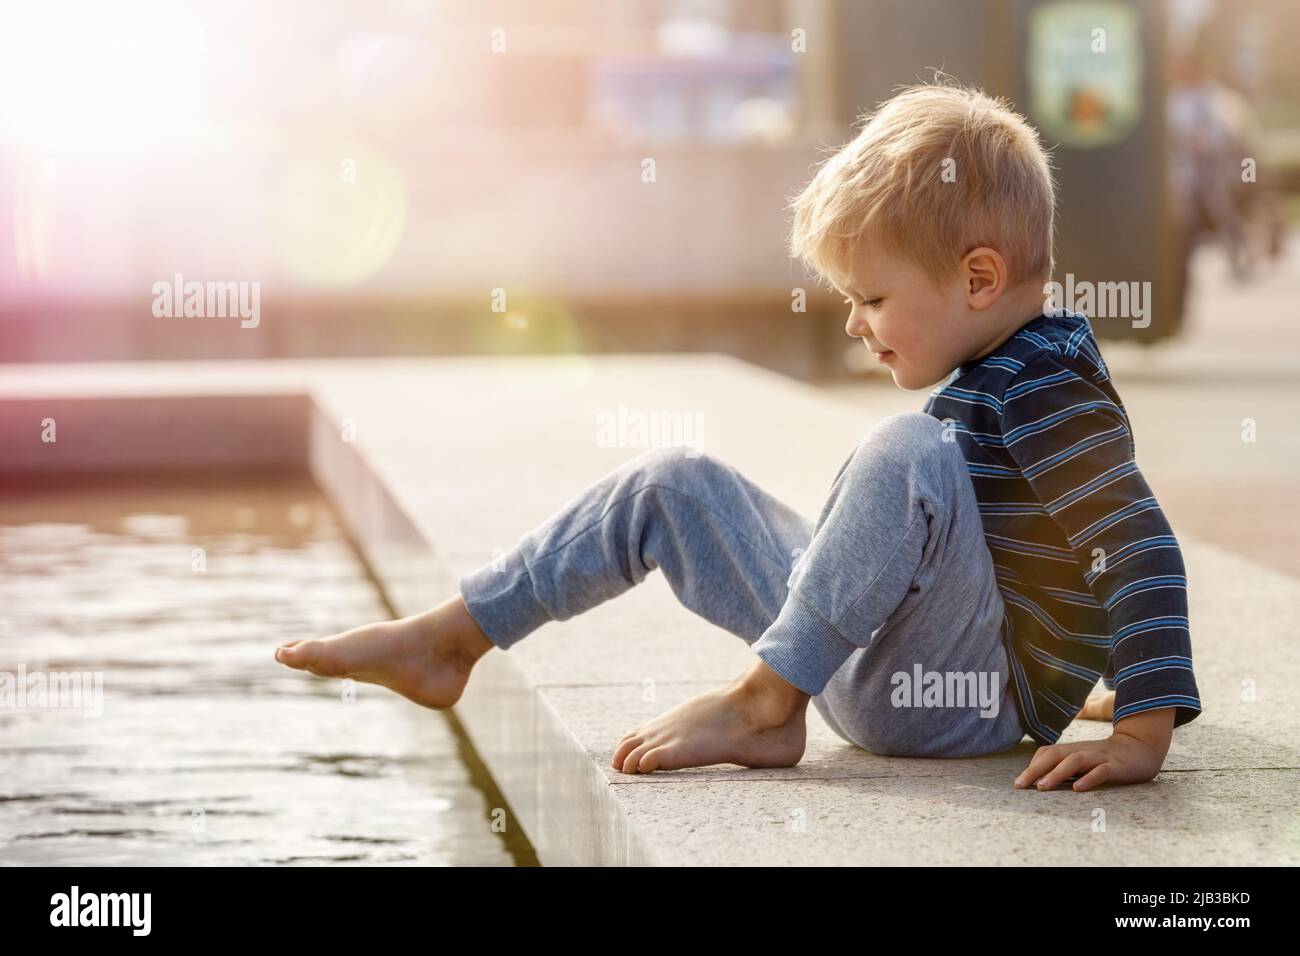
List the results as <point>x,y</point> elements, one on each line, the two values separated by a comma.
<point>886,610</point>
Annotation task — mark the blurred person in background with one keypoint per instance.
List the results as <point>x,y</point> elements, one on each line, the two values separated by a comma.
<point>1212,131</point>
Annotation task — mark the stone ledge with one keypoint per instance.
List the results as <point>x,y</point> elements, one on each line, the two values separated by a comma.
<point>453,459</point>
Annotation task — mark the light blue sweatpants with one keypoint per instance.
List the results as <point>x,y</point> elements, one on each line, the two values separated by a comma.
<point>886,611</point>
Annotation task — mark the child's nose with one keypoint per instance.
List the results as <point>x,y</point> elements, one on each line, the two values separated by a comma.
<point>856,327</point>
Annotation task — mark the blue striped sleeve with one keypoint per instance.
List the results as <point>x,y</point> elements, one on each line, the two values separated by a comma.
<point>1074,446</point>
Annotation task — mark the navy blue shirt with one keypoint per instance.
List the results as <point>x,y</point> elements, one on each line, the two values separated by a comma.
<point>1089,569</point>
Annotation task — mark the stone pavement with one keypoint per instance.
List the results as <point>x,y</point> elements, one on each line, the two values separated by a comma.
<point>438,464</point>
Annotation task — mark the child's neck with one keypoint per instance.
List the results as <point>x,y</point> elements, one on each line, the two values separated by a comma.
<point>1025,304</point>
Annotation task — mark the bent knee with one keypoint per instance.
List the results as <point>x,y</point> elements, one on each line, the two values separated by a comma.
<point>910,438</point>
<point>907,429</point>
<point>675,466</point>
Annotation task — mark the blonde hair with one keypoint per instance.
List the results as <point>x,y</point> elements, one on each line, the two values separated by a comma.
<point>936,171</point>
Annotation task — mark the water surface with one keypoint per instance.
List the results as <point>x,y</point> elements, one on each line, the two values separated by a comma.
<point>176,591</point>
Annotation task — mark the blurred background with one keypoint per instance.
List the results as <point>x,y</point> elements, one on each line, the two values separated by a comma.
<point>428,177</point>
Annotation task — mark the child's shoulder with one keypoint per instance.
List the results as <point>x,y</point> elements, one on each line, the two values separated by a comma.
<point>1050,342</point>
<point>1061,377</point>
<point>1051,362</point>
<point>1055,345</point>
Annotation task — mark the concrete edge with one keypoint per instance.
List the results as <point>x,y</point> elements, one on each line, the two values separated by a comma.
<point>557,791</point>
<point>558,796</point>
<point>566,807</point>
<point>78,434</point>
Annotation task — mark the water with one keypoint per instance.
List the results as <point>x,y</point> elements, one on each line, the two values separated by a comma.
<point>207,751</point>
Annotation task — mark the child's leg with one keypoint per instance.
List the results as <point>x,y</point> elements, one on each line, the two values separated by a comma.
<point>726,547</point>
<point>897,574</point>
<point>895,622</point>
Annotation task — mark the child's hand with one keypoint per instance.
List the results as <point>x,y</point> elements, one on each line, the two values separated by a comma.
<point>1121,759</point>
<point>1098,708</point>
<point>1134,753</point>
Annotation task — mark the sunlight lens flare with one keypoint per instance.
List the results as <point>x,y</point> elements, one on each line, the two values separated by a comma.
<point>341,213</point>
<point>80,74</point>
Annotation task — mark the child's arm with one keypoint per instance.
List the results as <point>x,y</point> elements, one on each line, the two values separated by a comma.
<point>1074,447</point>
<point>1134,753</point>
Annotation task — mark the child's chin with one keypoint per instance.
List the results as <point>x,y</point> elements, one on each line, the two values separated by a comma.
<point>909,381</point>
<point>902,378</point>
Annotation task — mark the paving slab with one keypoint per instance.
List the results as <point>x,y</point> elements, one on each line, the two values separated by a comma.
<point>1204,818</point>
<point>437,465</point>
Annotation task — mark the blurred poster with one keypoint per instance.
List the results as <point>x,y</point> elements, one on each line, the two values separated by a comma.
<point>1084,67</point>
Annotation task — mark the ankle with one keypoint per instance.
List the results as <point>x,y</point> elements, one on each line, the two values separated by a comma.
<point>476,642</point>
<point>456,627</point>
<point>772,698</point>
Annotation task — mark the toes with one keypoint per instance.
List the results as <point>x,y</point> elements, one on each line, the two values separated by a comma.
<point>633,762</point>
<point>627,738</point>
<point>624,747</point>
<point>308,656</point>
<point>294,654</point>
<point>653,759</point>
<point>1091,710</point>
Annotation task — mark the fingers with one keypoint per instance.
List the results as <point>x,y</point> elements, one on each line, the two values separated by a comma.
<point>1044,759</point>
<point>1102,773</point>
<point>1047,760</point>
<point>1074,763</point>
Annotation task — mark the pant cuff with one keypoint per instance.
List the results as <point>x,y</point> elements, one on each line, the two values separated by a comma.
<point>803,647</point>
<point>500,598</point>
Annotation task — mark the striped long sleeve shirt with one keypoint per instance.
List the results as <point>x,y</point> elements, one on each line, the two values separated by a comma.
<point>1089,569</point>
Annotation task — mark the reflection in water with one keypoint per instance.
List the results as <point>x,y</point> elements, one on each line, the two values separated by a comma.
<point>207,752</point>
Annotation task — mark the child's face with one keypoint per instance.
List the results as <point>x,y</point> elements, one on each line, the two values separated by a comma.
<point>923,330</point>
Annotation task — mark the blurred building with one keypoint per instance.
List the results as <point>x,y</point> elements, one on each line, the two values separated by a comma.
<point>512,176</point>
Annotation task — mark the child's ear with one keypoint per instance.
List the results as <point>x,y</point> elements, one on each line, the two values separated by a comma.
<point>984,272</point>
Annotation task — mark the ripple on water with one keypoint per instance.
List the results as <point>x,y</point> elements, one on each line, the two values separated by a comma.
<point>207,752</point>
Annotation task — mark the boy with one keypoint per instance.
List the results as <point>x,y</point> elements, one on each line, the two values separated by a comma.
<point>1000,548</point>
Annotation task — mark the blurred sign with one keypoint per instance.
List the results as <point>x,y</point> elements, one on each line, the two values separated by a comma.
<point>1084,67</point>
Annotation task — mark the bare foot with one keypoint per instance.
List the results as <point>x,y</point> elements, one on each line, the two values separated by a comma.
<point>426,658</point>
<point>1098,708</point>
<point>756,721</point>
